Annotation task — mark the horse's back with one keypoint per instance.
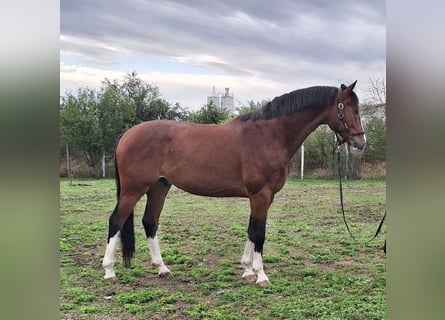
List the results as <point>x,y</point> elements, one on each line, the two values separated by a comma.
<point>160,134</point>
<point>201,159</point>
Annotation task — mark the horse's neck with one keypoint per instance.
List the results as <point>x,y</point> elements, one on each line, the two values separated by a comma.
<point>297,127</point>
<point>286,133</point>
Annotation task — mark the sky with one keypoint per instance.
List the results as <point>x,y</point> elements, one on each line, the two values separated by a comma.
<point>259,49</point>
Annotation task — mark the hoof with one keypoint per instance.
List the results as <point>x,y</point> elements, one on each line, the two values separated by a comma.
<point>111,280</point>
<point>251,278</point>
<point>165,275</point>
<point>264,283</point>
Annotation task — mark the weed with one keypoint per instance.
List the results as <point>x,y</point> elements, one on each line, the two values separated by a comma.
<point>173,256</point>
<point>198,311</point>
<point>316,270</point>
<point>133,308</point>
<point>80,296</point>
<point>139,297</point>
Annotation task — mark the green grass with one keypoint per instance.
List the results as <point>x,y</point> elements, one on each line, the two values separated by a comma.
<point>316,270</point>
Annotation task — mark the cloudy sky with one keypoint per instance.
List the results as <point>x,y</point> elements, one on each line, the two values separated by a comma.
<point>260,49</point>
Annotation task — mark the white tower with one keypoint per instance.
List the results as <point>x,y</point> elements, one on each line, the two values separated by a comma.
<point>213,99</point>
<point>227,102</point>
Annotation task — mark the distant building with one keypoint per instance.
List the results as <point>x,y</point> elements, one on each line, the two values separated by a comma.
<point>227,102</point>
<point>220,100</point>
<point>214,99</point>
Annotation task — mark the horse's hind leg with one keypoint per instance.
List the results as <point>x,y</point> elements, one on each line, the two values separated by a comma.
<point>120,219</point>
<point>113,235</point>
<point>155,202</point>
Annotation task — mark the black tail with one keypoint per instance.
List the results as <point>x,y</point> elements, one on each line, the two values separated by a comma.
<point>116,171</point>
<point>127,232</point>
<point>127,240</point>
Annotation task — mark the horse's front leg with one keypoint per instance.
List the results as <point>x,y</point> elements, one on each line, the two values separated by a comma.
<point>246,262</point>
<point>252,258</point>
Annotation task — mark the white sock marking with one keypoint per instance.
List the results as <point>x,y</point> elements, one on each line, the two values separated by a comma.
<point>257,266</point>
<point>108,261</point>
<point>155,254</point>
<point>247,258</point>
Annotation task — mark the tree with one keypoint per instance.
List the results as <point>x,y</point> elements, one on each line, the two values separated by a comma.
<point>209,114</point>
<point>141,95</point>
<point>376,101</point>
<point>147,101</point>
<point>91,120</point>
<point>374,115</point>
<point>252,106</point>
<point>161,109</point>
<point>115,115</point>
<point>319,147</point>
<point>79,126</point>
<point>375,150</point>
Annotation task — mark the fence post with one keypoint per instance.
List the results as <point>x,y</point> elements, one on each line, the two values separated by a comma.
<point>68,165</point>
<point>302,162</point>
<point>103,164</point>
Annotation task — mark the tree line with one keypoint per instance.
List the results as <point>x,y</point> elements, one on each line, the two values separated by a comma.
<point>92,119</point>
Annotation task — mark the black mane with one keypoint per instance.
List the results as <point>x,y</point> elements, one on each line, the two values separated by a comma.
<point>292,102</point>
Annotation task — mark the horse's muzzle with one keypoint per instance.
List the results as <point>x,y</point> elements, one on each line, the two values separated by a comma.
<point>357,140</point>
<point>359,143</point>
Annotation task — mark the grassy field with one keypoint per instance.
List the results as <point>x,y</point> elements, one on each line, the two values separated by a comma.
<point>316,270</point>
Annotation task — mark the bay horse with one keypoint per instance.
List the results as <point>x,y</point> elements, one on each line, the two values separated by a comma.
<point>247,157</point>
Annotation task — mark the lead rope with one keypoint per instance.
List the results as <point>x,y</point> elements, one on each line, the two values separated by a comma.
<point>341,196</point>
<point>343,210</point>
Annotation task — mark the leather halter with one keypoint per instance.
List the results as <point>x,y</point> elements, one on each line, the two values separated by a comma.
<point>341,118</point>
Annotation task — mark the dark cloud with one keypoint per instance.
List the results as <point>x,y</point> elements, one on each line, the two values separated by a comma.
<point>242,37</point>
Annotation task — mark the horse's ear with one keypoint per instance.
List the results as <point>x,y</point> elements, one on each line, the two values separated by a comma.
<point>343,87</point>
<point>352,85</point>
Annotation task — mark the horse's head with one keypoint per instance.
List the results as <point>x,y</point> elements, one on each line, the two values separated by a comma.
<point>345,120</point>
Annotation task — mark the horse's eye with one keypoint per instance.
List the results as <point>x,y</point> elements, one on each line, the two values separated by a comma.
<point>356,110</point>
